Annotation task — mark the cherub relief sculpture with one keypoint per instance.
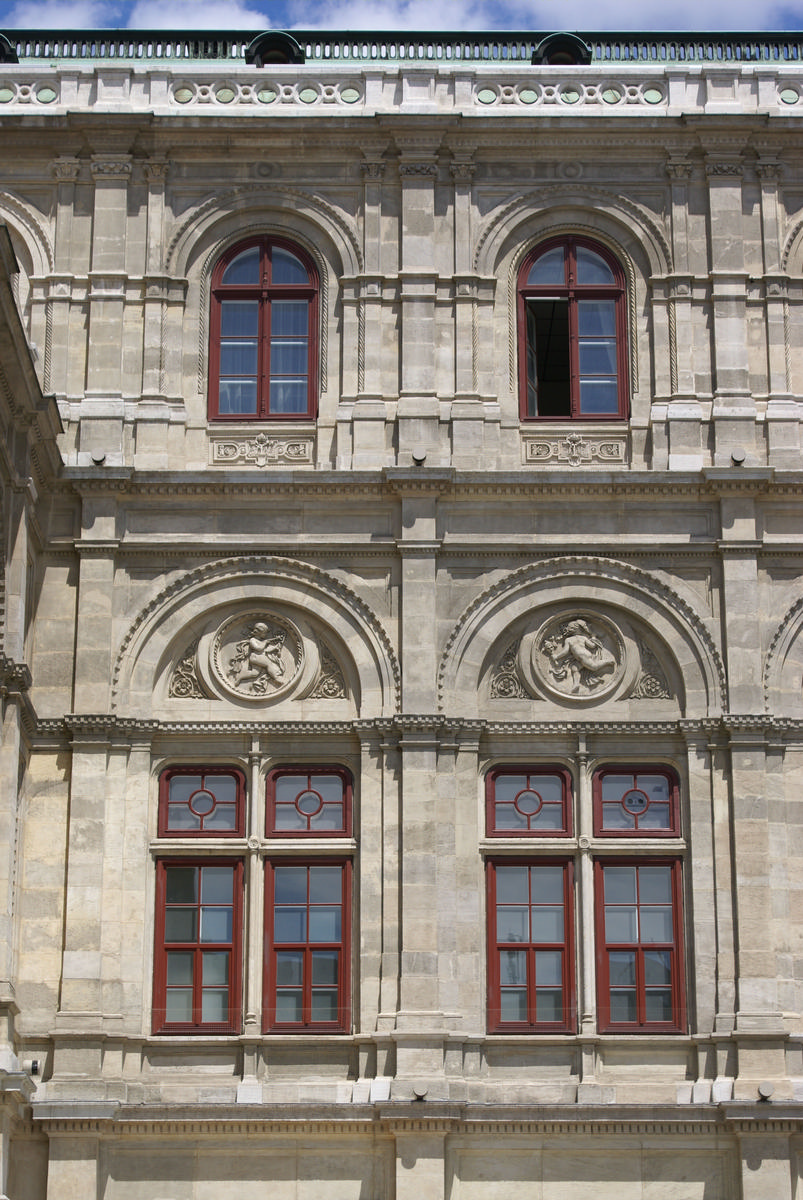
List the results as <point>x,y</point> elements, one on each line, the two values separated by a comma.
<point>579,654</point>
<point>257,659</point>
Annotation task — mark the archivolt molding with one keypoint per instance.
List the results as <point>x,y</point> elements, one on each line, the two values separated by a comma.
<point>27,225</point>
<point>785,635</point>
<point>306,580</point>
<point>792,244</point>
<point>600,571</point>
<point>630,216</point>
<point>245,201</point>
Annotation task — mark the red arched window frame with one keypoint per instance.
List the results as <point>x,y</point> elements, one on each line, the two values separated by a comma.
<point>263,347</point>
<point>572,333</point>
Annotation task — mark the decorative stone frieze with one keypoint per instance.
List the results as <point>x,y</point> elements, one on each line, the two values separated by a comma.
<point>575,449</point>
<point>262,450</point>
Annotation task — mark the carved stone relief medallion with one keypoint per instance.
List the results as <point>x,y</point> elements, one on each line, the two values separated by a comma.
<point>256,655</point>
<point>577,656</point>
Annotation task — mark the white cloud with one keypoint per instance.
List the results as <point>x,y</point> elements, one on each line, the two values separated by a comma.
<point>410,15</point>
<point>205,14</point>
<point>62,14</point>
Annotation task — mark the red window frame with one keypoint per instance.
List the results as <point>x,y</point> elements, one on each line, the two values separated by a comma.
<point>204,773</point>
<point>308,773</point>
<point>650,977</point>
<point>640,829</point>
<point>538,978</point>
<point>572,292</point>
<point>281,984</point>
<point>195,947</point>
<point>264,293</point>
<point>521,804</point>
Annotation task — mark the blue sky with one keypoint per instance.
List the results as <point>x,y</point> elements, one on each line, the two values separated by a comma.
<point>712,15</point>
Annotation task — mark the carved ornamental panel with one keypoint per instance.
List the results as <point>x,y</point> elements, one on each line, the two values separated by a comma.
<point>258,657</point>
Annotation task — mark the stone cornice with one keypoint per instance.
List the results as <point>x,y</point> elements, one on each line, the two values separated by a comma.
<point>117,1120</point>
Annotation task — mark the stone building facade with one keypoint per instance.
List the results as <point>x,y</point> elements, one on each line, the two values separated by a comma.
<point>402,618</point>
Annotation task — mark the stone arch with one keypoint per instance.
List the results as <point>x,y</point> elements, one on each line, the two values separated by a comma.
<point>167,623</point>
<point>625,228</point>
<point>783,666</point>
<point>34,252</point>
<point>602,584</point>
<point>208,231</point>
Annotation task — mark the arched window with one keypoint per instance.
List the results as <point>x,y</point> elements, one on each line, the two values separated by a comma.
<point>571,315</point>
<point>263,333</point>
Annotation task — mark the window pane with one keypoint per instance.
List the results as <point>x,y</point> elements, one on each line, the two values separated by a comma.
<point>596,318</point>
<point>623,1006</point>
<point>216,924</point>
<point>179,817</point>
<point>548,968</point>
<point>657,968</point>
<point>615,786</point>
<point>548,1004</point>
<point>215,1005</point>
<point>622,968</point>
<point>511,885</point>
<point>513,1004</point>
<point>288,358</point>
<point>547,884</point>
<point>547,924</point>
<point>244,268</point>
<point>655,885</point>
<point>288,1006</point>
<point>548,269</point>
<point>550,817</point>
<point>237,396</point>
<point>288,396</point>
<point>325,966</point>
<point>512,924</point>
<point>223,817</point>
<point>286,268</point>
<point>215,968</point>
<point>598,357</point>
<point>178,1005</point>
<point>289,966</point>
<point>325,884</point>
<point>288,817</point>
<point>620,885</point>
<point>289,318</point>
<point>324,924</point>
<point>238,358</point>
<point>616,817</point>
<point>656,786</point>
<point>181,883</point>
<point>507,816</point>
<point>324,1004</point>
<point>239,318</point>
<point>180,924</point>
<point>217,885</point>
<point>621,925</point>
<point>657,816</point>
<point>179,967</point>
<point>182,787</point>
<point>290,885</point>
<point>592,268</point>
<point>512,966</point>
<point>599,396</point>
<point>656,925</point>
<point>290,925</point>
<point>658,1005</point>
